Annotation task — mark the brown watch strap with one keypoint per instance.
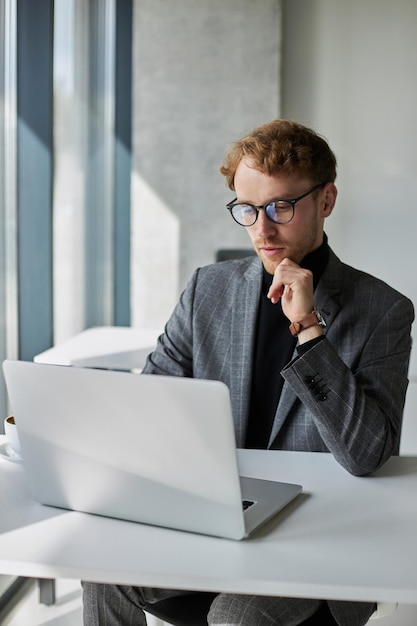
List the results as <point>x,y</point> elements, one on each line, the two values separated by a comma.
<point>306,322</point>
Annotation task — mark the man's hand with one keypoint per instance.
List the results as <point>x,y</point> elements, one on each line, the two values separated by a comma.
<point>294,286</point>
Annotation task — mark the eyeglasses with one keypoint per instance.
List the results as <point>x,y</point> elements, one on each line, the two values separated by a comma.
<point>279,211</point>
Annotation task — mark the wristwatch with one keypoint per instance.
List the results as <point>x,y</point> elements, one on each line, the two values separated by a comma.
<point>313,319</point>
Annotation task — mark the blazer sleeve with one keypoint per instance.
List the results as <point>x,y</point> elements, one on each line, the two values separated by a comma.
<point>173,355</point>
<point>353,384</point>
<point>196,340</point>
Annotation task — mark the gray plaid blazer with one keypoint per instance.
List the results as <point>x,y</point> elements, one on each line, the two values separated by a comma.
<point>346,395</point>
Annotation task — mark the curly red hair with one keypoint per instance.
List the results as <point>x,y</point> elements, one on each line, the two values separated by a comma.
<point>283,147</point>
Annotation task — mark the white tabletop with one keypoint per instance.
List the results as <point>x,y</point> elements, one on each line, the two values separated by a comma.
<point>343,538</point>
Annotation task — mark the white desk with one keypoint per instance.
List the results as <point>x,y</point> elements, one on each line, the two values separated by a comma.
<point>344,538</point>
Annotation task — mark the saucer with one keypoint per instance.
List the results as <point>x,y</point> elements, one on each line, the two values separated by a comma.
<point>7,453</point>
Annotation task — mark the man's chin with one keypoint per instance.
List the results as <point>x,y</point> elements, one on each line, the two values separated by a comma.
<point>270,265</point>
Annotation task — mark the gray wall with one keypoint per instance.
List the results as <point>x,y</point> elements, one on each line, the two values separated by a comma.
<point>204,73</point>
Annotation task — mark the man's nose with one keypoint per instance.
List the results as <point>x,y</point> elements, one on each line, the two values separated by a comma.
<point>264,225</point>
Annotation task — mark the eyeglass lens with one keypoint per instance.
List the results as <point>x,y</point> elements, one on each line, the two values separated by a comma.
<point>279,212</point>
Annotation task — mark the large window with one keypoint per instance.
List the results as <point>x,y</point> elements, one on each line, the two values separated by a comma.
<point>91,208</point>
<point>65,109</point>
<point>8,251</point>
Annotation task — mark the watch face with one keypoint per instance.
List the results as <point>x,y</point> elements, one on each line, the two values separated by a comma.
<point>320,319</point>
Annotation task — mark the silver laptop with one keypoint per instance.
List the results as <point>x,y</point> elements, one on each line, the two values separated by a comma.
<point>152,449</point>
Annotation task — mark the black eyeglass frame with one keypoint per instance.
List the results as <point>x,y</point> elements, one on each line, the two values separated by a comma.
<point>230,206</point>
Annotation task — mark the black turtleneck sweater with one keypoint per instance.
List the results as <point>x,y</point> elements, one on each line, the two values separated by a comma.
<point>274,347</point>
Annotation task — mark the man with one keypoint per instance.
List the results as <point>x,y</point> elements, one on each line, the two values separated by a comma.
<point>314,352</point>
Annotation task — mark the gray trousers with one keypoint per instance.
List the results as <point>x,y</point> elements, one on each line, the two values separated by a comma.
<point>115,605</point>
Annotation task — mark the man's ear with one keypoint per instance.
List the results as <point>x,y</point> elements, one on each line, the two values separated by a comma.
<point>329,199</point>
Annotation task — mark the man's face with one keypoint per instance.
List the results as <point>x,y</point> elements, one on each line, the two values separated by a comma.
<point>275,242</point>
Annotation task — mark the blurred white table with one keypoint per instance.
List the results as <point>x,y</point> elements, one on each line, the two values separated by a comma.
<point>344,538</point>
<point>107,347</point>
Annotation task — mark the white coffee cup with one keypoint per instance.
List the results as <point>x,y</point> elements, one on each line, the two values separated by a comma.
<point>12,436</point>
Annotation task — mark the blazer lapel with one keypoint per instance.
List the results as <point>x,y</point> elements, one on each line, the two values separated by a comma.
<point>244,314</point>
<point>285,404</point>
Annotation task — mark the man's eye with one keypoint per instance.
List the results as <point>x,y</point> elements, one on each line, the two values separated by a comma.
<point>246,209</point>
<point>281,206</point>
